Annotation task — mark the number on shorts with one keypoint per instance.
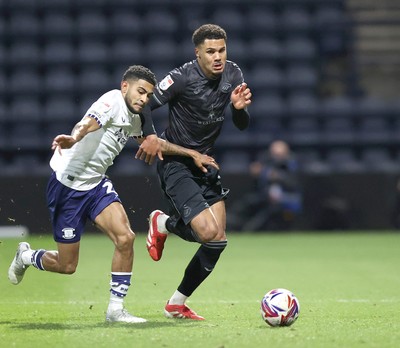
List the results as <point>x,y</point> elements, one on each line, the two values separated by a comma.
<point>109,187</point>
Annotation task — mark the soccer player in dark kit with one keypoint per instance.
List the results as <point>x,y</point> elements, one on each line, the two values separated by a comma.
<point>200,95</point>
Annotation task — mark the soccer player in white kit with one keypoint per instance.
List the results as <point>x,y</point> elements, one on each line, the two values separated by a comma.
<point>78,189</point>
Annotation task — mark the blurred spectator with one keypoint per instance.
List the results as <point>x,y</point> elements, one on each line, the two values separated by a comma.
<point>276,199</point>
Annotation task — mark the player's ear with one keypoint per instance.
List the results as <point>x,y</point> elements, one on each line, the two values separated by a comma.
<point>124,86</point>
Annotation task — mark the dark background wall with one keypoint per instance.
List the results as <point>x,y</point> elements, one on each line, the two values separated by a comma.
<point>356,201</point>
<point>324,75</point>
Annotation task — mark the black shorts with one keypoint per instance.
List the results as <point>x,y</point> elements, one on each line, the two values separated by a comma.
<point>189,191</point>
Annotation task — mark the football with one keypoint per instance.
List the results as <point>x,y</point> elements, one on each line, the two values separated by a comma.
<point>280,307</point>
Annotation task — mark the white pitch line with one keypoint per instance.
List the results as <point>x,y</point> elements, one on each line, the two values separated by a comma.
<point>362,300</point>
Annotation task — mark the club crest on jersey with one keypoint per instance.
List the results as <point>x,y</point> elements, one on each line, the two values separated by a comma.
<point>68,233</point>
<point>166,83</point>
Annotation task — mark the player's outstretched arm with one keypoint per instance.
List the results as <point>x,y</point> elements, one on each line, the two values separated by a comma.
<point>168,148</point>
<point>150,147</point>
<point>83,127</point>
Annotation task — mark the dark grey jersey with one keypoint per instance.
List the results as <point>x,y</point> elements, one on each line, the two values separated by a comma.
<point>197,104</point>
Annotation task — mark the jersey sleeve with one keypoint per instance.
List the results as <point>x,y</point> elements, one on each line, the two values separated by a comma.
<point>101,111</point>
<point>237,75</point>
<point>147,122</point>
<point>170,86</point>
<point>241,118</point>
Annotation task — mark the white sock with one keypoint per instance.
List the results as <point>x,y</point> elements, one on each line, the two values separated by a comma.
<point>178,298</point>
<point>115,302</point>
<point>161,221</point>
<point>120,282</point>
<point>26,256</point>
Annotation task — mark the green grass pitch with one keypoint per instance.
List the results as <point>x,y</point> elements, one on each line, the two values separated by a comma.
<point>348,285</point>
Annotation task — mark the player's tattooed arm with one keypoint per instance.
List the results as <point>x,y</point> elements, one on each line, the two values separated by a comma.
<point>168,148</point>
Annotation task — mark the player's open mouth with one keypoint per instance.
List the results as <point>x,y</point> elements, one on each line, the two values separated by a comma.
<point>218,66</point>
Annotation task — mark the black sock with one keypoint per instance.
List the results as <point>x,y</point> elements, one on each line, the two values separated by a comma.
<point>201,266</point>
<point>177,226</point>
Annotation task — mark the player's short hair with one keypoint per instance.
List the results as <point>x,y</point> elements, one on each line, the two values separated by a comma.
<point>137,72</point>
<point>208,32</point>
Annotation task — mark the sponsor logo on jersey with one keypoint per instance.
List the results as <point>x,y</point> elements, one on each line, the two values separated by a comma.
<point>225,88</point>
<point>212,119</point>
<point>68,233</point>
<point>166,83</point>
<point>122,137</point>
<point>186,210</point>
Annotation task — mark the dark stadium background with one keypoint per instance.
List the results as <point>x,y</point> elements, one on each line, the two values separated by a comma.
<point>324,75</point>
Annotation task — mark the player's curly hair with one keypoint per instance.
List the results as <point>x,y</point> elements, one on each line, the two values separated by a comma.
<point>136,72</point>
<point>208,32</point>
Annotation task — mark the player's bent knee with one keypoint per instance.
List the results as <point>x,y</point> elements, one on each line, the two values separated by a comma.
<point>68,269</point>
<point>125,241</point>
<point>208,235</point>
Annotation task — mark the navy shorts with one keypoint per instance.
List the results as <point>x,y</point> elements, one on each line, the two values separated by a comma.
<point>70,209</point>
<point>189,191</point>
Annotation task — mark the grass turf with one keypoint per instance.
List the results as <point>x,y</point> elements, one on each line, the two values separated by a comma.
<point>347,284</point>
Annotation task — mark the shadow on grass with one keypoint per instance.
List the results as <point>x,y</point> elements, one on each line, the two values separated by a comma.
<point>85,326</point>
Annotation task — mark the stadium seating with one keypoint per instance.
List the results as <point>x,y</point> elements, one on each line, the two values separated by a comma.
<point>91,24</point>
<point>265,49</point>
<point>60,81</point>
<point>23,52</point>
<point>3,83</point>
<point>337,106</point>
<point>301,77</point>
<point>295,19</point>
<point>299,49</point>
<point>269,105</point>
<point>59,23</point>
<point>235,161</point>
<point>126,164</point>
<point>378,159</point>
<point>26,137</point>
<point>92,52</point>
<point>58,52</point>
<point>58,56</point>
<point>344,160</point>
<point>302,103</point>
<point>374,130</point>
<point>125,24</point>
<point>264,78</point>
<point>25,109</point>
<point>95,80</point>
<point>25,81</point>
<point>161,50</point>
<point>163,23</point>
<point>229,18</point>
<point>24,25</point>
<point>304,131</point>
<point>338,130</point>
<point>59,108</point>
<point>61,6</point>
<point>261,21</point>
